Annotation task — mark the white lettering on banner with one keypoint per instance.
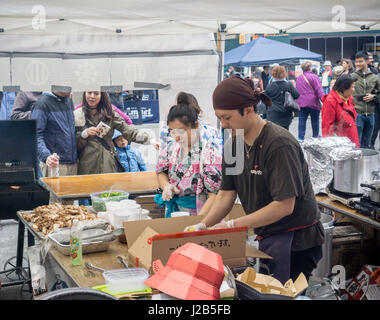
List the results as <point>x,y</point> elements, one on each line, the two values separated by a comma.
<point>339,20</point>
<point>229,159</point>
<point>37,73</point>
<point>39,20</point>
<point>86,73</point>
<point>339,279</point>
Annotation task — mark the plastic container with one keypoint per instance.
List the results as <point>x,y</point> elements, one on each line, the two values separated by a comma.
<point>126,280</point>
<point>121,205</point>
<point>99,203</point>
<point>180,214</point>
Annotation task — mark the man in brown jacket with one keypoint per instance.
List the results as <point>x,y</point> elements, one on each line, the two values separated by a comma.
<point>23,105</point>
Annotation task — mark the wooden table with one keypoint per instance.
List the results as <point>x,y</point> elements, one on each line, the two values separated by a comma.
<point>80,187</point>
<point>80,275</point>
<point>335,206</point>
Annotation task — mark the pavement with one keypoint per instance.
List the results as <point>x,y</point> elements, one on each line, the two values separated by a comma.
<point>8,234</point>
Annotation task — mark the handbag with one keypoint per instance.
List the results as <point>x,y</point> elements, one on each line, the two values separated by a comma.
<point>290,103</point>
<point>119,165</point>
<point>307,81</point>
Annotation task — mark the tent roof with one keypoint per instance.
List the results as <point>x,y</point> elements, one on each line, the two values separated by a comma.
<point>263,50</point>
<point>183,16</point>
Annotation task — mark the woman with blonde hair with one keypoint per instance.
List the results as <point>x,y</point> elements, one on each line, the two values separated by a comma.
<point>278,113</point>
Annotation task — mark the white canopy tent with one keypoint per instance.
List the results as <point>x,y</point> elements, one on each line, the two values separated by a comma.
<point>182,16</point>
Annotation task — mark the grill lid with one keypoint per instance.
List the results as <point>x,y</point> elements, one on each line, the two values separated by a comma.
<point>18,151</point>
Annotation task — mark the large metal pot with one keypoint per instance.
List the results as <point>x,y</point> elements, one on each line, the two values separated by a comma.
<point>349,174</point>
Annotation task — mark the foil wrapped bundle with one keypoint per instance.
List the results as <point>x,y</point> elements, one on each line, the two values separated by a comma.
<point>320,154</point>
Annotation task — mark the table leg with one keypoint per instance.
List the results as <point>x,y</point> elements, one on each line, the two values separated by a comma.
<point>31,241</point>
<point>20,244</point>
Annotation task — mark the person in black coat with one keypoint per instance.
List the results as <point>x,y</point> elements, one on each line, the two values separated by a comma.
<point>277,113</point>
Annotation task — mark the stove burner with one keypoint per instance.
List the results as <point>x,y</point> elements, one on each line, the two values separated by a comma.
<point>367,207</point>
<point>360,203</point>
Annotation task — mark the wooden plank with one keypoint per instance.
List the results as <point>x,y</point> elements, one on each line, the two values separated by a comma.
<point>83,185</point>
<point>327,202</point>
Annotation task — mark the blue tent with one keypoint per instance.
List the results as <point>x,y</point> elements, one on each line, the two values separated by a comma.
<point>264,51</point>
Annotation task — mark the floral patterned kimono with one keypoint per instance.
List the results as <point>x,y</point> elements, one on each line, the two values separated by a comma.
<point>197,173</point>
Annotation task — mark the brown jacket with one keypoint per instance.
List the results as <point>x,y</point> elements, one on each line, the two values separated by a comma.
<point>93,157</point>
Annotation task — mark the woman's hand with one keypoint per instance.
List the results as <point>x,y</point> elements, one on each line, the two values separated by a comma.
<point>169,192</point>
<point>92,131</point>
<point>155,144</point>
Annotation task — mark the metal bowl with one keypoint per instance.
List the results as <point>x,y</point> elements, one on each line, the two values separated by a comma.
<point>87,247</point>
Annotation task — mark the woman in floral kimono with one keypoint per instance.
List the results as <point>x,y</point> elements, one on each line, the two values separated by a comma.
<point>190,163</point>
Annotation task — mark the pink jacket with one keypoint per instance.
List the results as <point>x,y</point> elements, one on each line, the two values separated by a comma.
<point>121,113</point>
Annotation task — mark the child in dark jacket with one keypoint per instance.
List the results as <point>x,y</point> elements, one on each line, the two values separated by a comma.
<point>130,158</point>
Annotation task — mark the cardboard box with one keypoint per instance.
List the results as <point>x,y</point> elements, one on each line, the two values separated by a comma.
<point>270,285</point>
<point>365,285</point>
<point>149,240</point>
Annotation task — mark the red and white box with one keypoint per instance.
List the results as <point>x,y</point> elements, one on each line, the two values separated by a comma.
<point>365,285</point>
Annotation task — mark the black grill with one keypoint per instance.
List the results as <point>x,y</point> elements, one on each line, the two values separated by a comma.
<point>19,186</point>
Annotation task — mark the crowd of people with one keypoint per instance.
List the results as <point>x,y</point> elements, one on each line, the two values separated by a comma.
<point>343,100</point>
<point>193,171</point>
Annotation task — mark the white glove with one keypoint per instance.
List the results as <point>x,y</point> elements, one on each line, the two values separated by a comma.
<point>197,227</point>
<point>224,224</point>
<point>169,192</point>
<point>155,144</point>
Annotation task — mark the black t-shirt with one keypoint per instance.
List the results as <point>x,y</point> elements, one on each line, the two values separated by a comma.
<point>276,170</point>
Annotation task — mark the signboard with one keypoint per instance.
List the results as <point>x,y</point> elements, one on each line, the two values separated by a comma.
<point>142,111</point>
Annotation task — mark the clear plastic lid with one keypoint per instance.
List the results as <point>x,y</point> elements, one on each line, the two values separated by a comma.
<point>133,274</point>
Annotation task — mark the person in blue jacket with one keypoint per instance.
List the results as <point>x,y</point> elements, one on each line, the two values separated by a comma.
<point>130,158</point>
<point>56,140</point>
<point>6,105</point>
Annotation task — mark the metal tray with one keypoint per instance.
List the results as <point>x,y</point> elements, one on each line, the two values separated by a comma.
<point>64,235</point>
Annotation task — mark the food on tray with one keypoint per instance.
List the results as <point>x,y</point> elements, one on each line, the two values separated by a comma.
<point>50,217</point>
<point>99,199</point>
<point>111,194</point>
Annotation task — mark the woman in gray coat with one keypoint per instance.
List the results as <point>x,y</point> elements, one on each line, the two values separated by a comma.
<point>277,113</point>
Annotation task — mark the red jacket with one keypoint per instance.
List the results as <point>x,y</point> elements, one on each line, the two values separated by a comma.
<point>338,118</point>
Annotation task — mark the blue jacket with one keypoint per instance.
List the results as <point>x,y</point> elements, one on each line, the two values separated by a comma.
<point>131,159</point>
<point>55,128</point>
<point>6,105</point>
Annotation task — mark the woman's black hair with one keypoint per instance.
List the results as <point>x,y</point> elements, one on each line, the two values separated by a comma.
<point>184,114</point>
<point>184,98</point>
<point>343,83</point>
<point>104,107</point>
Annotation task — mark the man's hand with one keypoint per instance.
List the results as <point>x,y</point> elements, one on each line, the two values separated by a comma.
<point>224,225</point>
<point>368,98</point>
<point>52,161</point>
<point>169,192</point>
